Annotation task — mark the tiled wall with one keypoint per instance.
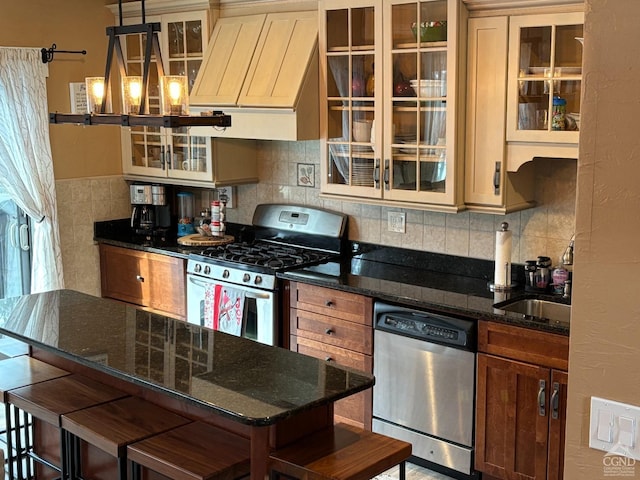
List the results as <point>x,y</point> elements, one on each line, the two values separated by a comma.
<point>544,230</point>
<point>80,203</point>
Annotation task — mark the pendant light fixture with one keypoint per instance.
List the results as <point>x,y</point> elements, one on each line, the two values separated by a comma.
<point>135,106</point>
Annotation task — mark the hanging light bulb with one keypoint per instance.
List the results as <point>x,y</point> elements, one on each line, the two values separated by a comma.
<point>174,95</point>
<point>95,95</point>
<point>131,94</point>
<point>135,111</point>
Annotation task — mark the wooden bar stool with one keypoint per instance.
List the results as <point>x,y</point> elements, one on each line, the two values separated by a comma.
<point>48,401</point>
<point>341,452</point>
<point>196,451</point>
<point>112,426</point>
<point>16,372</point>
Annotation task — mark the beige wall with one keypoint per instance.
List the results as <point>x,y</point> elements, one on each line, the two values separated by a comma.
<point>71,25</point>
<point>605,331</point>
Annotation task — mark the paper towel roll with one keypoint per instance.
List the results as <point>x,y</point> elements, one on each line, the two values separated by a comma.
<point>502,272</point>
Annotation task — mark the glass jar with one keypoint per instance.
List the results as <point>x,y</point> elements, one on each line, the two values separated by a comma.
<point>185,213</point>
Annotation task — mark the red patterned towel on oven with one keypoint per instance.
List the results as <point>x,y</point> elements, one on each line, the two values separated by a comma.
<point>224,309</point>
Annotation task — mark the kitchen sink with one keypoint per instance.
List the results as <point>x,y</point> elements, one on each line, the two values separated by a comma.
<point>538,308</point>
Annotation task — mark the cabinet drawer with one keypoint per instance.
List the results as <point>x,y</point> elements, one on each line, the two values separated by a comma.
<point>332,331</point>
<point>326,301</point>
<point>524,344</point>
<point>341,356</point>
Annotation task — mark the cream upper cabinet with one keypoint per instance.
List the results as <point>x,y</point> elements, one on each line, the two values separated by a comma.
<point>177,155</point>
<point>544,86</point>
<point>233,43</point>
<point>389,108</point>
<point>488,186</point>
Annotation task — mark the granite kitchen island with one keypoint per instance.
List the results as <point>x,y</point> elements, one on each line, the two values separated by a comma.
<point>271,395</point>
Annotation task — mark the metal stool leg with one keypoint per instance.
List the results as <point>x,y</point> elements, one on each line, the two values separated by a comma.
<point>28,442</point>
<point>9,429</point>
<point>19,449</point>
<point>403,470</point>
<point>136,471</point>
<point>122,468</point>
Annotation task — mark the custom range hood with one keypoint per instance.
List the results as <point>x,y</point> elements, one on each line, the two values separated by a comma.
<point>263,71</point>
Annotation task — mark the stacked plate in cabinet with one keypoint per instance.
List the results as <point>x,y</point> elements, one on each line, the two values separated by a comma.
<point>362,172</point>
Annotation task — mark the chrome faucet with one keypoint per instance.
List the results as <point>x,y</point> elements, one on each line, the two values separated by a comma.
<point>567,256</point>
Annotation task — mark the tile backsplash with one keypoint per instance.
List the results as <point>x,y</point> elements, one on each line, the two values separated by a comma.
<point>543,230</point>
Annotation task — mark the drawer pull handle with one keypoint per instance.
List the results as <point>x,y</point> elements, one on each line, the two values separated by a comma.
<point>140,278</point>
<point>328,359</point>
<point>328,331</point>
<point>329,303</point>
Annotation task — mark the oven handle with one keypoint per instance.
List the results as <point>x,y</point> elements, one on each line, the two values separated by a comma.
<point>200,283</point>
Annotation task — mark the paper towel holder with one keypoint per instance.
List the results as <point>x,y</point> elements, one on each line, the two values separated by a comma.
<point>493,286</point>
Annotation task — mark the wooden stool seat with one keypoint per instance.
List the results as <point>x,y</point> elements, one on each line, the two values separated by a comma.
<point>20,371</point>
<point>196,451</point>
<point>48,401</point>
<point>342,452</point>
<point>114,425</point>
<point>15,372</point>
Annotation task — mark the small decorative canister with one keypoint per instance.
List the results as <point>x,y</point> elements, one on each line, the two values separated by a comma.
<point>559,113</point>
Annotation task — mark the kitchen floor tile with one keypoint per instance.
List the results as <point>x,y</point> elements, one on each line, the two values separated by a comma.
<point>414,472</point>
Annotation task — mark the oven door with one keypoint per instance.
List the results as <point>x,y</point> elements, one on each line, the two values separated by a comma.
<point>259,312</point>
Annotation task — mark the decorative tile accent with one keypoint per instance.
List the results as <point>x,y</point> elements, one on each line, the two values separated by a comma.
<point>306,175</point>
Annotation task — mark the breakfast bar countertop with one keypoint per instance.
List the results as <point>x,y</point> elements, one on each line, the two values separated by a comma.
<point>240,379</point>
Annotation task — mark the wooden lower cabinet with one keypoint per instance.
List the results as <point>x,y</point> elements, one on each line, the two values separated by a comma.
<point>520,406</point>
<point>150,280</point>
<point>337,327</point>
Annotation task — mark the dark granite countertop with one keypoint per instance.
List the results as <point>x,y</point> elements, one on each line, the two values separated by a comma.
<point>444,283</point>
<point>437,282</point>
<point>238,378</point>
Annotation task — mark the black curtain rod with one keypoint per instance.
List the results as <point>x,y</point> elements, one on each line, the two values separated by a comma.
<point>47,53</point>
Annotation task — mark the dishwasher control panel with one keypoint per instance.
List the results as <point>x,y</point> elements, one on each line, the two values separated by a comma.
<point>427,326</point>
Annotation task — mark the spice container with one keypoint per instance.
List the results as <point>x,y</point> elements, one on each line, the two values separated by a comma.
<point>558,116</point>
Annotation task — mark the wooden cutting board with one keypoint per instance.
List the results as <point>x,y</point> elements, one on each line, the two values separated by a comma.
<point>197,240</point>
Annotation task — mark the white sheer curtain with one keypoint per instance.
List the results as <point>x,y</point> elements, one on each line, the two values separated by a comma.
<point>26,166</point>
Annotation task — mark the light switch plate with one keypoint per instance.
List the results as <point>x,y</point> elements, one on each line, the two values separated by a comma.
<point>396,222</point>
<point>613,428</point>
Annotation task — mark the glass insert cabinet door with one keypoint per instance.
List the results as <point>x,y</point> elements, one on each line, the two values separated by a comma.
<point>352,39</point>
<point>418,59</point>
<point>545,78</point>
<point>387,120</point>
<point>158,151</point>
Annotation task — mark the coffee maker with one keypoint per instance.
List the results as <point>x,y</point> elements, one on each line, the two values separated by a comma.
<point>150,213</point>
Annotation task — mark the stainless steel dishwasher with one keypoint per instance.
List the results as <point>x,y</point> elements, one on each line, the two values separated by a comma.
<point>425,367</point>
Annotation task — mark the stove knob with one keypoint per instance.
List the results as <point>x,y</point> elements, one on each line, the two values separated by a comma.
<point>225,274</point>
<point>257,280</point>
<point>197,268</point>
<point>246,277</point>
<point>207,270</point>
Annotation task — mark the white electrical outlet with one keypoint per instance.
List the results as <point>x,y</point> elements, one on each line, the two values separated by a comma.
<point>396,221</point>
<point>227,193</point>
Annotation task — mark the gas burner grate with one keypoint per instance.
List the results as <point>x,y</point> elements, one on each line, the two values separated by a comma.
<point>273,256</point>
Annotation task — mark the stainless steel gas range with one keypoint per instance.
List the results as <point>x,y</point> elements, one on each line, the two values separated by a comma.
<point>233,287</point>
